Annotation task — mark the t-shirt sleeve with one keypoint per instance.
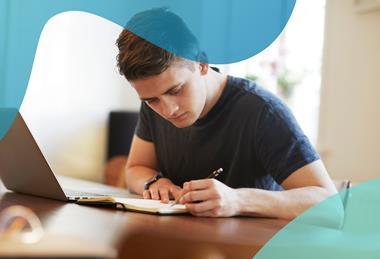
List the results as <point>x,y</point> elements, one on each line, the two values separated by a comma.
<point>280,144</point>
<point>143,127</point>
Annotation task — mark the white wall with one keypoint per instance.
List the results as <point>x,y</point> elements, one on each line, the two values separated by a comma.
<point>349,137</point>
<point>73,86</point>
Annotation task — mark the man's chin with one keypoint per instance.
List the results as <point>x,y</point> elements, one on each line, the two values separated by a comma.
<point>182,124</point>
<point>183,121</point>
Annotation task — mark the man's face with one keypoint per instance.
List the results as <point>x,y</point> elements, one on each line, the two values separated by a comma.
<point>178,94</point>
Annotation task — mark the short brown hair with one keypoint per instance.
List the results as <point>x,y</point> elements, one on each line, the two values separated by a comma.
<point>138,58</point>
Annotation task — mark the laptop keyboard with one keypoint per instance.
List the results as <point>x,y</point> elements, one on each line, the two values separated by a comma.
<point>80,195</point>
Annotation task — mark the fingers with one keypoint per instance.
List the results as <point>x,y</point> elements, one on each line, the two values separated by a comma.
<point>199,190</point>
<point>204,198</point>
<point>176,192</point>
<point>193,191</point>
<point>194,196</point>
<point>164,195</point>
<point>199,184</point>
<point>154,194</point>
<point>146,194</point>
<point>157,194</point>
<point>209,208</point>
<point>173,192</point>
<point>162,191</point>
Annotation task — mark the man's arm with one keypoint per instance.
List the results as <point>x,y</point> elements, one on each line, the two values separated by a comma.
<point>304,188</point>
<point>141,166</point>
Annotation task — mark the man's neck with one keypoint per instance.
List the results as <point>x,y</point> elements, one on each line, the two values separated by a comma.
<point>215,83</point>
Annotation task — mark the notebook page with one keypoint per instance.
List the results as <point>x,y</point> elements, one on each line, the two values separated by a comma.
<point>152,205</point>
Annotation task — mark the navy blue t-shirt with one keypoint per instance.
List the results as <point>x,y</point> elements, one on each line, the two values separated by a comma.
<point>249,133</point>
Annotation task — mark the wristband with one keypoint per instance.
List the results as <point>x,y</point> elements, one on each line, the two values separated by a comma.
<point>151,181</point>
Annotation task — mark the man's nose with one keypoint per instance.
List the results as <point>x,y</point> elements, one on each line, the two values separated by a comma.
<point>170,107</point>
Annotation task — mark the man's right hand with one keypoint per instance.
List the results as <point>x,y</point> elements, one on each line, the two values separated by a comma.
<point>163,189</point>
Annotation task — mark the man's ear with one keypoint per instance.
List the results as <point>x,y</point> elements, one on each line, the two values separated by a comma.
<point>203,68</point>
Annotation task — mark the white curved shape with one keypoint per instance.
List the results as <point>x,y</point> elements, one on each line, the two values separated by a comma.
<point>73,86</point>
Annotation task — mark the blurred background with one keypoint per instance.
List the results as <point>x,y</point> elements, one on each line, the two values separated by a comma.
<point>325,65</point>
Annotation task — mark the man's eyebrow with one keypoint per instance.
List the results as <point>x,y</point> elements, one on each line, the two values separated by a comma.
<point>166,92</point>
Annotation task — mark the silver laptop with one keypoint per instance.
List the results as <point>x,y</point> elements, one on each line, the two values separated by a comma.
<point>23,167</point>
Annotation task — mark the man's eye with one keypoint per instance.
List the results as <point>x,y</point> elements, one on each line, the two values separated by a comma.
<point>152,101</point>
<point>175,91</point>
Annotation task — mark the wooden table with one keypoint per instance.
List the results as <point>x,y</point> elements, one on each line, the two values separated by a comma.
<point>136,235</point>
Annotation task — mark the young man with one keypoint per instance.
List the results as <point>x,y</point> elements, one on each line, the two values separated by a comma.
<point>194,120</point>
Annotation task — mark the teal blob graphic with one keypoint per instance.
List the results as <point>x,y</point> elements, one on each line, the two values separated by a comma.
<point>345,226</point>
<point>226,30</point>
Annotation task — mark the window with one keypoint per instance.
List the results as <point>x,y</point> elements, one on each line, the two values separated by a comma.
<point>291,66</point>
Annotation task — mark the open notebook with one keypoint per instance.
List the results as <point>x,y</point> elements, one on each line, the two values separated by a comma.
<point>139,205</point>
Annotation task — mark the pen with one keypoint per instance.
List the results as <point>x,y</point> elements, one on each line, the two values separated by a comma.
<point>212,175</point>
<point>347,193</point>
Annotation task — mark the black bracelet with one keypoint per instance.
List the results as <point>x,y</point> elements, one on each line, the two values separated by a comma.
<point>151,181</point>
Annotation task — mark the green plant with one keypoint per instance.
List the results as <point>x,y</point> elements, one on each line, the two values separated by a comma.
<point>286,84</point>
<point>251,77</point>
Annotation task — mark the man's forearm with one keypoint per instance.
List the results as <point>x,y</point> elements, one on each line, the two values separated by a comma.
<point>136,176</point>
<point>279,204</point>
